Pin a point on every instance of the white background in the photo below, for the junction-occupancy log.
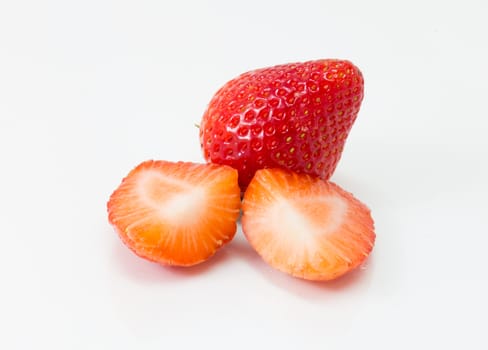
(89, 89)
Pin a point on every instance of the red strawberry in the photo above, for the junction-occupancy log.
(293, 116)
(176, 213)
(305, 226)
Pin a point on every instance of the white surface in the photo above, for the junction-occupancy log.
(89, 89)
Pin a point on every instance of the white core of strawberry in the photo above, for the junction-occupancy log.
(287, 222)
(298, 227)
(149, 180)
(184, 206)
(173, 199)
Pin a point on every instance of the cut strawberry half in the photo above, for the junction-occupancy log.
(176, 213)
(304, 226)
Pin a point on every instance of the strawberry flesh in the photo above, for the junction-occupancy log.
(176, 213)
(305, 226)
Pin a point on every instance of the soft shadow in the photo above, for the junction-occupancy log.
(302, 288)
(241, 248)
(306, 289)
(142, 270)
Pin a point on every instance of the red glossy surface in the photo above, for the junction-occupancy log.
(294, 116)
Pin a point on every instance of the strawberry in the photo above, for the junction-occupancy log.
(305, 226)
(294, 116)
(176, 213)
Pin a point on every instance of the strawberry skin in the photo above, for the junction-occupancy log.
(293, 116)
(305, 226)
(176, 213)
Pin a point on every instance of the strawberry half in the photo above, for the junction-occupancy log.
(304, 226)
(293, 116)
(176, 213)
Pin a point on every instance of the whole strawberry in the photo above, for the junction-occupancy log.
(295, 116)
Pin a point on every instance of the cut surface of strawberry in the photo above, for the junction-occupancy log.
(305, 226)
(176, 213)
